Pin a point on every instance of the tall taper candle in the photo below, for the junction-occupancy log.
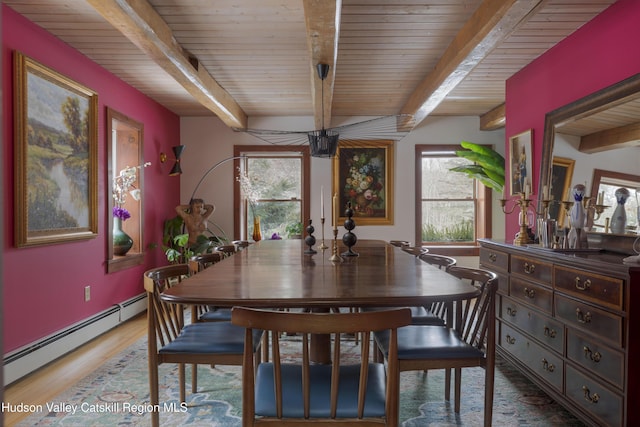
(322, 201)
(334, 220)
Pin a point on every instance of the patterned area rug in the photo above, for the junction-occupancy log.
(117, 394)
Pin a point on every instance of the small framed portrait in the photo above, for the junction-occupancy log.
(520, 165)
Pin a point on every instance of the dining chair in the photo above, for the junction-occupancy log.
(171, 341)
(241, 244)
(469, 341)
(443, 262)
(415, 250)
(298, 391)
(436, 312)
(226, 250)
(197, 263)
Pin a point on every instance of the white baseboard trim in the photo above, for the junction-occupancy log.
(31, 357)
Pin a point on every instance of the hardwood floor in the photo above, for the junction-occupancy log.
(46, 383)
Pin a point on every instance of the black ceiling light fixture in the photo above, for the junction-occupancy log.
(323, 142)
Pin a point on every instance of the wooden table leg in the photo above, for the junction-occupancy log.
(320, 344)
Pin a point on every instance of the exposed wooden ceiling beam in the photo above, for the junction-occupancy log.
(142, 25)
(490, 24)
(622, 136)
(493, 119)
(322, 18)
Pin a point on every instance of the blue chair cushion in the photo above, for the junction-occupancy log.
(419, 315)
(320, 398)
(422, 316)
(215, 314)
(427, 342)
(210, 338)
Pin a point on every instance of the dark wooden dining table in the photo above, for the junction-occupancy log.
(278, 273)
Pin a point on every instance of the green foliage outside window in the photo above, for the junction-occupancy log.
(462, 232)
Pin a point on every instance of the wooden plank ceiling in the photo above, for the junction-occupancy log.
(247, 58)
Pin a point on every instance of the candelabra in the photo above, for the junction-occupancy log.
(597, 208)
(524, 203)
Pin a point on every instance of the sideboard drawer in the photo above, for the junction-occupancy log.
(532, 269)
(596, 358)
(540, 360)
(590, 319)
(492, 259)
(592, 287)
(600, 403)
(532, 293)
(503, 283)
(543, 328)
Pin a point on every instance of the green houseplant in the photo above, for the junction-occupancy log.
(294, 230)
(487, 167)
(175, 242)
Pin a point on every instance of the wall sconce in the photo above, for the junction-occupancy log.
(177, 152)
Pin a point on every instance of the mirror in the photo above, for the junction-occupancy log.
(599, 131)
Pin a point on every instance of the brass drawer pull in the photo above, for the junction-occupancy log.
(582, 286)
(583, 317)
(595, 357)
(549, 367)
(493, 257)
(529, 293)
(529, 268)
(510, 340)
(511, 311)
(587, 395)
(551, 333)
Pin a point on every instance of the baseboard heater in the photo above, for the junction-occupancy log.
(29, 358)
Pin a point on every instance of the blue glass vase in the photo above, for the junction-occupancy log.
(122, 242)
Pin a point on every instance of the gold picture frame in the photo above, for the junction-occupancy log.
(561, 176)
(520, 164)
(56, 158)
(363, 176)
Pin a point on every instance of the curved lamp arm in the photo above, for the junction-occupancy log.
(211, 169)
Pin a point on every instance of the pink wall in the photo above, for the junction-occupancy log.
(602, 52)
(43, 286)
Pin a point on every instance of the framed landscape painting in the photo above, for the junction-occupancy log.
(55, 156)
(363, 177)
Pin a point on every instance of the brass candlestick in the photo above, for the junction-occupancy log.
(522, 237)
(322, 245)
(335, 257)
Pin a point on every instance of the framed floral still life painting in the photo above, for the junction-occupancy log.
(520, 162)
(55, 156)
(363, 177)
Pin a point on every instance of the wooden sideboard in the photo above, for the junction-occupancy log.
(566, 321)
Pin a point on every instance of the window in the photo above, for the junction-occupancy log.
(452, 210)
(273, 185)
